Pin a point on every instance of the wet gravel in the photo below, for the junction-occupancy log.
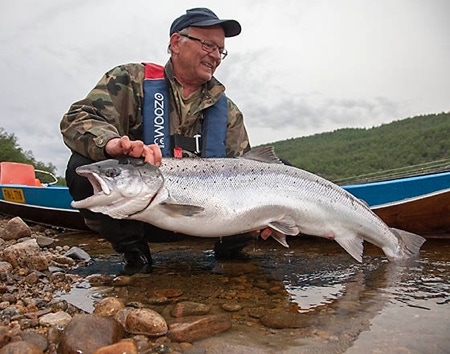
(310, 298)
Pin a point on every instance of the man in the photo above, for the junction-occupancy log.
(144, 110)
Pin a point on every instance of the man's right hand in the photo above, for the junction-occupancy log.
(123, 146)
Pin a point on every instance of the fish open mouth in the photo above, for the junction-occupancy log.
(98, 184)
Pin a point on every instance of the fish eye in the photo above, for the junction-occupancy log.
(112, 172)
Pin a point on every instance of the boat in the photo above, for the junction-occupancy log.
(26, 196)
(419, 204)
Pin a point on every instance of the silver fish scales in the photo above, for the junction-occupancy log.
(223, 197)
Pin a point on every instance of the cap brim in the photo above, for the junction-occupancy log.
(231, 27)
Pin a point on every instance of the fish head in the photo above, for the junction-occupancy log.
(120, 187)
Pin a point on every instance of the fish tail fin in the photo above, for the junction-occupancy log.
(410, 243)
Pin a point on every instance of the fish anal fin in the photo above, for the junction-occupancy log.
(280, 238)
(175, 210)
(352, 244)
(285, 226)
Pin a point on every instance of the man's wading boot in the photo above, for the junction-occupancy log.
(126, 237)
(231, 247)
(137, 258)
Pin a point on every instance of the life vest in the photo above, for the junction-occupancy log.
(211, 143)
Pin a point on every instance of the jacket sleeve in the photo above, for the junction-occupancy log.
(237, 142)
(107, 112)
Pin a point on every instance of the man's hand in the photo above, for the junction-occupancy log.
(123, 146)
(264, 234)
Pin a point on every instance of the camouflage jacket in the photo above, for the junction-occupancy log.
(114, 108)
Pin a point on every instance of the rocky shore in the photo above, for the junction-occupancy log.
(61, 292)
(35, 318)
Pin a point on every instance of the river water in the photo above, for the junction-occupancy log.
(345, 307)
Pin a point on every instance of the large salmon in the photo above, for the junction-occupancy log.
(221, 197)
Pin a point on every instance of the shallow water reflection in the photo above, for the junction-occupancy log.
(310, 297)
(373, 307)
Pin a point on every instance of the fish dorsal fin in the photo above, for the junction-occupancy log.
(285, 226)
(262, 154)
(353, 245)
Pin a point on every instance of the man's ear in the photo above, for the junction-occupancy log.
(175, 43)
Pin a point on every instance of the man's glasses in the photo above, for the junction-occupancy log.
(208, 46)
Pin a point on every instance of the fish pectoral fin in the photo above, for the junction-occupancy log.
(285, 226)
(175, 209)
(352, 244)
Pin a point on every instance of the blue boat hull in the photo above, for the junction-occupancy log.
(46, 205)
(381, 193)
(419, 204)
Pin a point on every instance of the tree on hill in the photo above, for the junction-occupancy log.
(350, 153)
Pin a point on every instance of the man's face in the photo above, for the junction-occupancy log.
(192, 63)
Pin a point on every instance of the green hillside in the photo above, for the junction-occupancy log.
(410, 145)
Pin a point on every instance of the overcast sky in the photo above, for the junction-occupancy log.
(298, 68)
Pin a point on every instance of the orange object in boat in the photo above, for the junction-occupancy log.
(17, 173)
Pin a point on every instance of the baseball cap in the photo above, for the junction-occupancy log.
(203, 17)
